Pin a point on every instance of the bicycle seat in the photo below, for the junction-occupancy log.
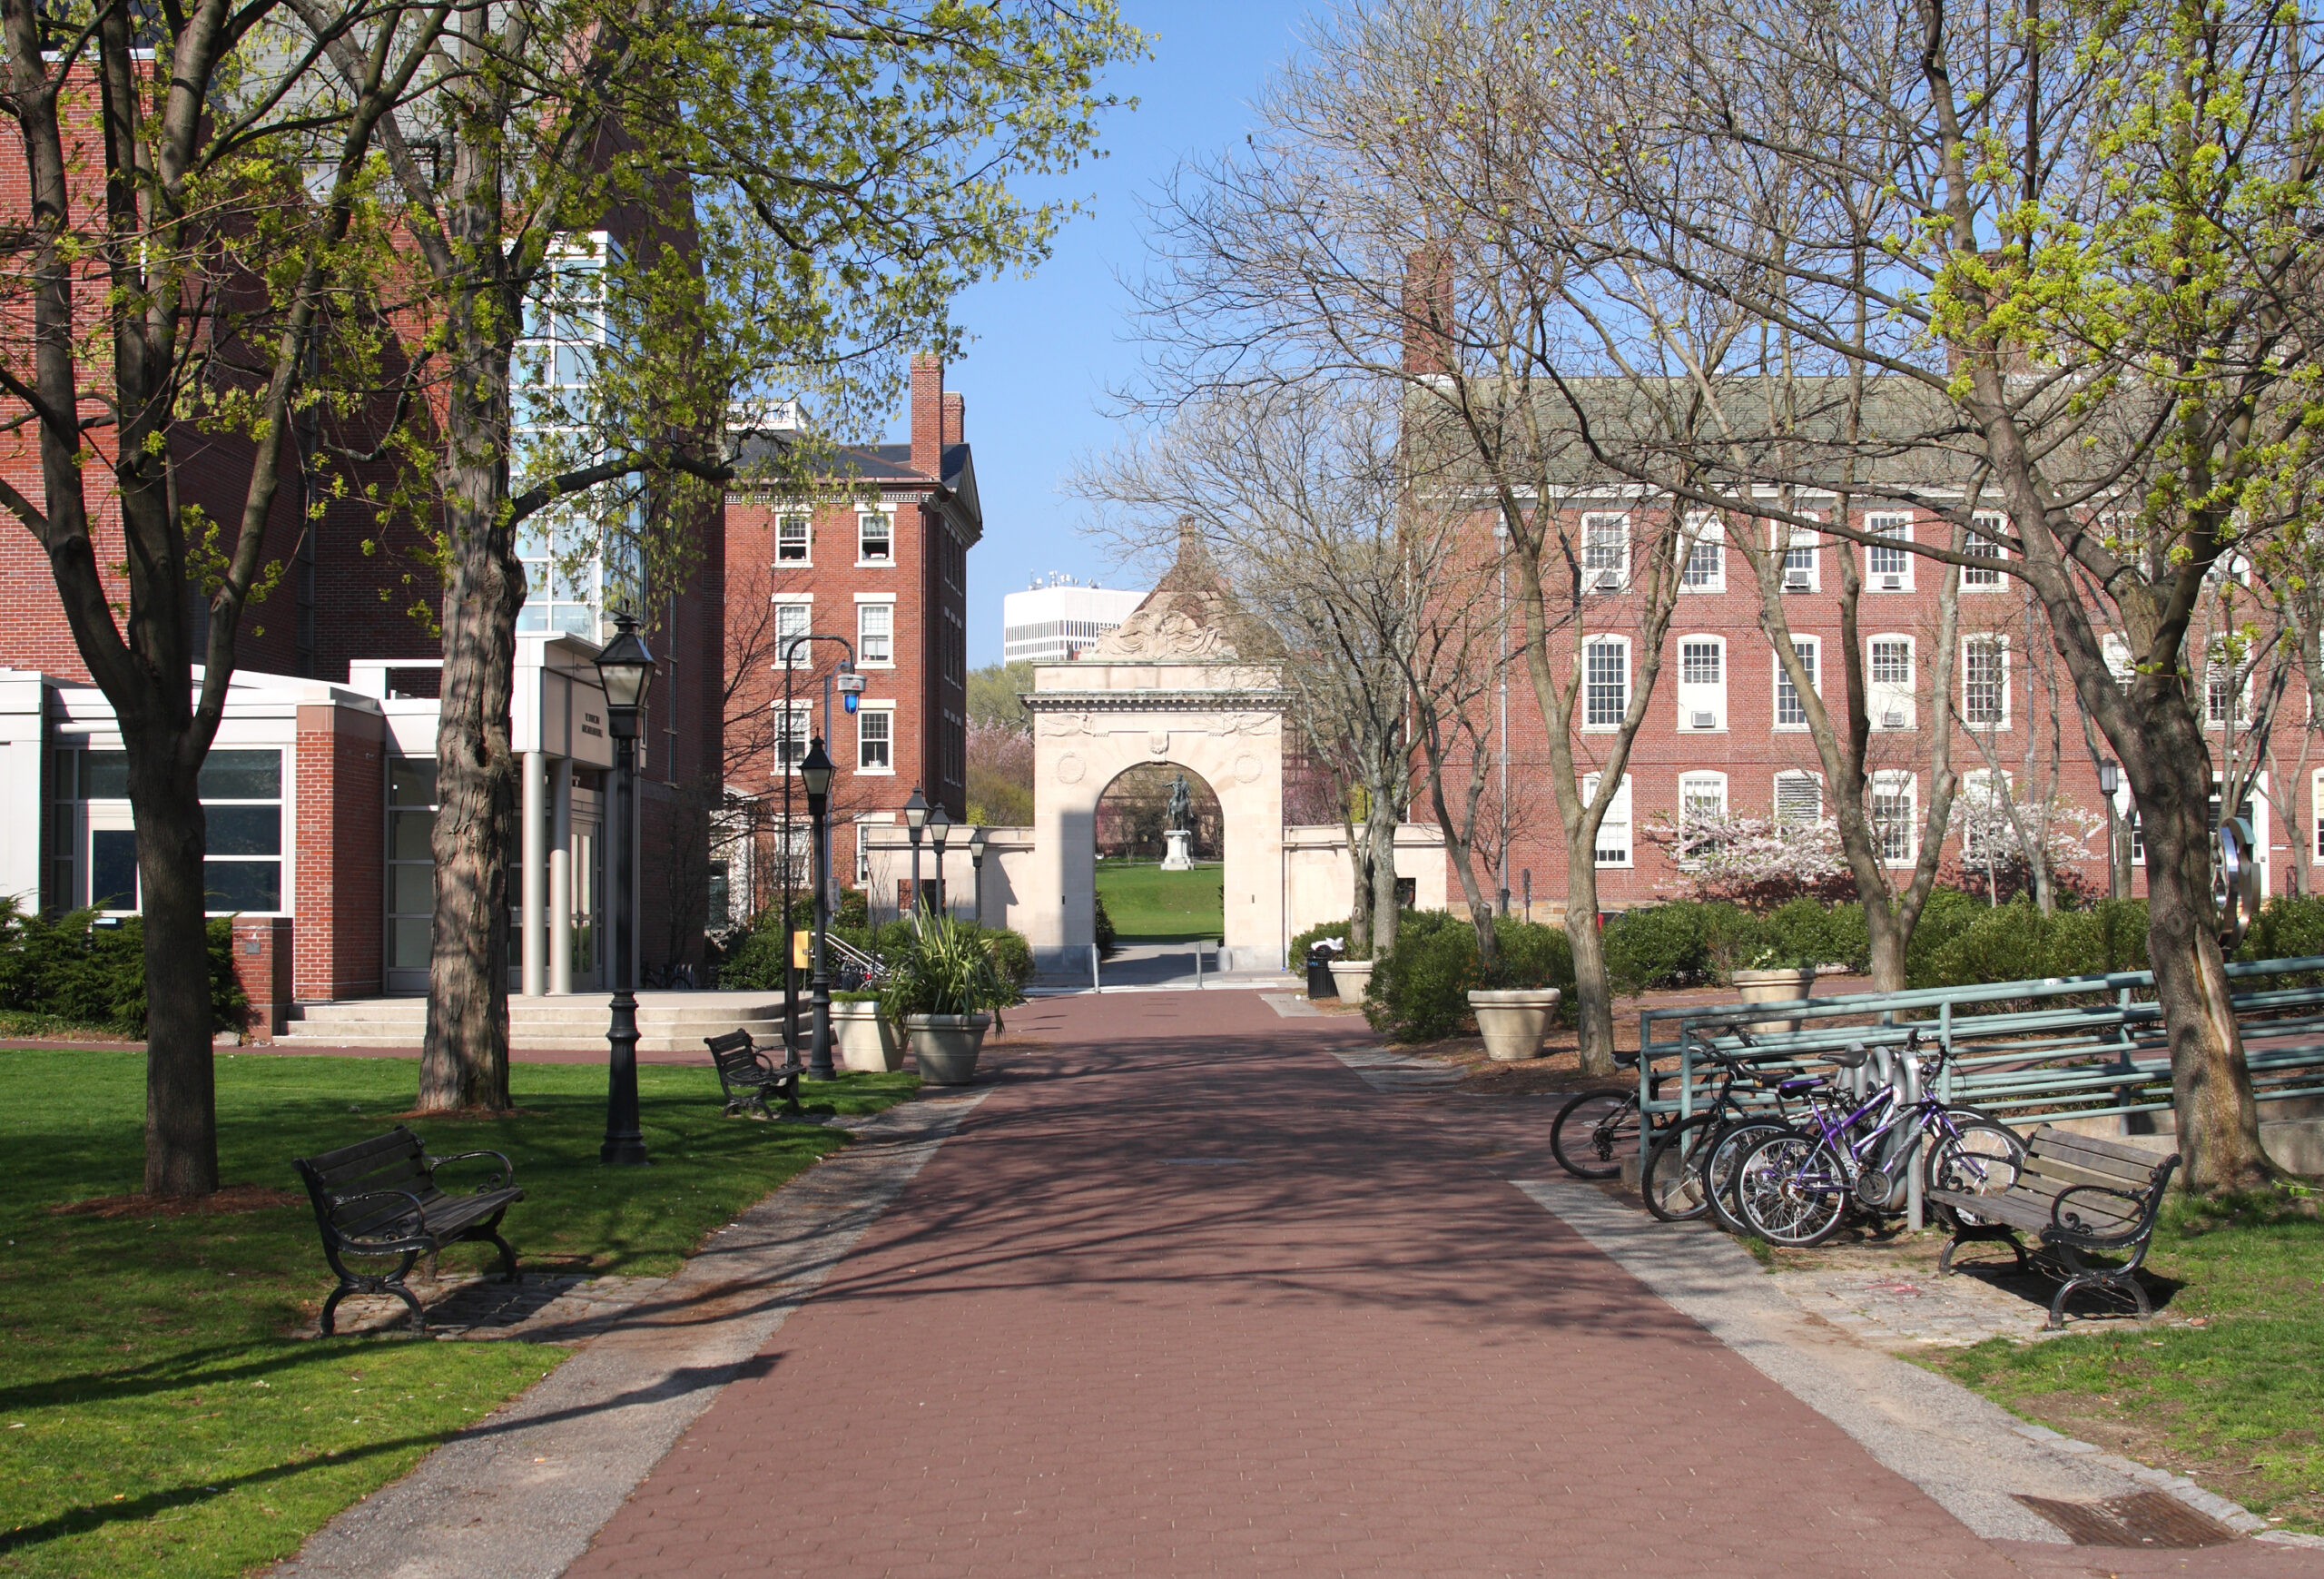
(1799, 1083)
(1852, 1056)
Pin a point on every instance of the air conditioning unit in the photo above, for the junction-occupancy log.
(1703, 720)
(1892, 584)
(1893, 719)
(1796, 581)
(1607, 581)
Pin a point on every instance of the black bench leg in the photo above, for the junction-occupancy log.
(331, 1308)
(419, 1317)
(507, 1257)
(1978, 1236)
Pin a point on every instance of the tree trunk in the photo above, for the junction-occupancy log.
(1889, 941)
(1359, 909)
(1593, 989)
(1380, 818)
(180, 1110)
(465, 1062)
(2210, 1086)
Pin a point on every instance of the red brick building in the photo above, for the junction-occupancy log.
(885, 569)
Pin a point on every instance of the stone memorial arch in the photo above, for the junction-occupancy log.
(1167, 685)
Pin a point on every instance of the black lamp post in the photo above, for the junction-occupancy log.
(940, 827)
(916, 819)
(625, 670)
(2110, 779)
(976, 868)
(815, 779)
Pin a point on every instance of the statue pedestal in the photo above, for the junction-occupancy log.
(1175, 857)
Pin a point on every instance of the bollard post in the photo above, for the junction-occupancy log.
(1197, 964)
(1095, 985)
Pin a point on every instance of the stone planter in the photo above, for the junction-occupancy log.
(1353, 978)
(1513, 1020)
(1782, 986)
(864, 1040)
(945, 1046)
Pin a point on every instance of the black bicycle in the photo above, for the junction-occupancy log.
(1691, 1170)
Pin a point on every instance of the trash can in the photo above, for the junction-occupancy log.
(1319, 973)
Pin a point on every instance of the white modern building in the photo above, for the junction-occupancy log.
(1052, 622)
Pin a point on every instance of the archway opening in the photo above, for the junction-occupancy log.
(1147, 901)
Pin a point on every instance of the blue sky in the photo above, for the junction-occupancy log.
(1046, 350)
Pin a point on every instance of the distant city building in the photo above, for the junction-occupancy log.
(1053, 623)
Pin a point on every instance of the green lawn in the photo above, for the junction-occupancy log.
(2234, 1403)
(1150, 905)
(157, 1418)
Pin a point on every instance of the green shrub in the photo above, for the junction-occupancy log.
(88, 972)
(1420, 990)
(1661, 945)
(1949, 913)
(1105, 927)
(2017, 943)
(944, 969)
(1315, 934)
(2288, 927)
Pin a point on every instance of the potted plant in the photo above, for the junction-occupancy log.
(1774, 977)
(864, 1038)
(942, 980)
(1352, 976)
(1514, 1010)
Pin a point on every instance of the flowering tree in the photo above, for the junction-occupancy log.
(1758, 862)
(2005, 841)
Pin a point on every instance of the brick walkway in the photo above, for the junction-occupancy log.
(1185, 1297)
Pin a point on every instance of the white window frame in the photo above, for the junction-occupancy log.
(1590, 645)
(1702, 696)
(1592, 573)
(1617, 821)
(2000, 645)
(865, 708)
(1805, 540)
(1896, 783)
(865, 601)
(1704, 532)
(2242, 698)
(1975, 792)
(1976, 579)
(2116, 649)
(1811, 651)
(806, 556)
(1706, 785)
(1899, 526)
(1797, 776)
(804, 658)
(1884, 697)
(881, 512)
(2316, 816)
(801, 730)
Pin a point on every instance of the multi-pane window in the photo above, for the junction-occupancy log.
(1985, 812)
(2223, 696)
(1985, 682)
(242, 804)
(1613, 842)
(1976, 577)
(792, 621)
(874, 740)
(1791, 712)
(1890, 565)
(875, 541)
(1706, 568)
(1605, 551)
(1799, 797)
(1893, 824)
(1892, 661)
(1606, 683)
(1799, 559)
(1700, 663)
(1702, 798)
(794, 731)
(875, 625)
(791, 539)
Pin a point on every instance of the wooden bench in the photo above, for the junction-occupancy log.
(380, 1197)
(747, 1075)
(2076, 1196)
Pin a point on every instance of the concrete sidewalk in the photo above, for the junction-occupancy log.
(1185, 1295)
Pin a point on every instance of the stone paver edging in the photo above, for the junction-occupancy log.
(1968, 1452)
(518, 1494)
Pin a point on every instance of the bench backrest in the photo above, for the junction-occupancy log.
(736, 1056)
(2057, 1160)
(385, 1169)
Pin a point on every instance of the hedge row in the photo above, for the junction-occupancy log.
(85, 971)
(1420, 991)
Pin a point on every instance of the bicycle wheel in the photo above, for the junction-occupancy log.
(1728, 1150)
(1792, 1191)
(1981, 1157)
(1672, 1180)
(1591, 1131)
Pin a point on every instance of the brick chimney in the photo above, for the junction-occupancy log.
(928, 414)
(956, 418)
(1428, 311)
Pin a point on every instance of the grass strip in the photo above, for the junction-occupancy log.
(157, 1416)
(2234, 1402)
(1150, 905)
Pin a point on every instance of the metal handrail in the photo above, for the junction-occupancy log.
(874, 969)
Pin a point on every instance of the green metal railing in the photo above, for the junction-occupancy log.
(2084, 1047)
